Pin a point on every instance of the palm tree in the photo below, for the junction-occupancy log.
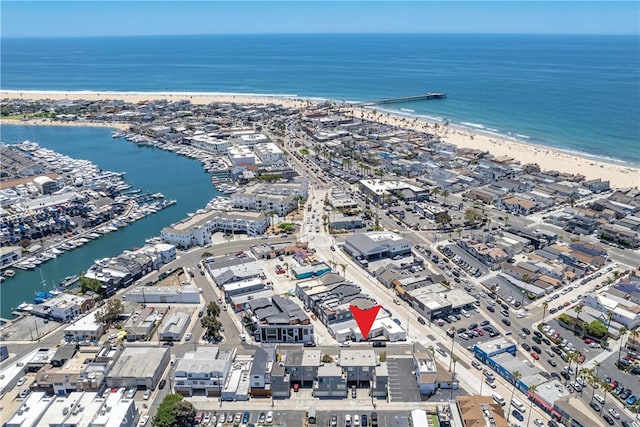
(445, 194)
(610, 315)
(578, 310)
(344, 269)
(623, 331)
(453, 335)
(606, 387)
(435, 191)
(454, 359)
(531, 393)
(515, 377)
(544, 310)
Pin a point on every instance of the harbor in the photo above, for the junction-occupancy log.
(144, 167)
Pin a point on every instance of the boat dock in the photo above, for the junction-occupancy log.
(399, 99)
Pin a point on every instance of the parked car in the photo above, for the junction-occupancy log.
(595, 406)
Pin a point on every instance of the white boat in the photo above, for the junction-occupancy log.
(9, 273)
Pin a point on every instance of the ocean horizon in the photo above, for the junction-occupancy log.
(577, 93)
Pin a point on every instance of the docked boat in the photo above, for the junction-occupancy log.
(9, 273)
(69, 281)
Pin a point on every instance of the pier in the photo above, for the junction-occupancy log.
(399, 99)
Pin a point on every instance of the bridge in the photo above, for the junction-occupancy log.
(399, 99)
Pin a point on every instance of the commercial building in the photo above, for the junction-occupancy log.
(139, 368)
(376, 245)
(269, 153)
(78, 409)
(238, 384)
(69, 371)
(66, 307)
(307, 271)
(197, 229)
(278, 198)
(9, 255)
(279, 320)
(477, 410)
(173, 328)
(187, 294)
(85, 329)
(203, 372)
(431, 376)
(436, 301)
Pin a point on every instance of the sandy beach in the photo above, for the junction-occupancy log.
(547, 158)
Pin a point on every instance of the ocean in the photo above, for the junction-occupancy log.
(148, 168)
(575, 93)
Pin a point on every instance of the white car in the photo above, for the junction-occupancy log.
(188, 336)
(356, 420)
(599, 398)
(147, 395)
(21, 381)
(538, 422)
(269, 418)
(130, 394)
(614, 413)
(143, 420)
(345, 344)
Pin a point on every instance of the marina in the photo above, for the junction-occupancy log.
(145, 168)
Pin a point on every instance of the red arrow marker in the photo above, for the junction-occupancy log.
(364, 318)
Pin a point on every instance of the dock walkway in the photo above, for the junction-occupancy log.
(399, 99)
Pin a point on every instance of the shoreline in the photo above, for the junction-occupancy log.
(548, 158)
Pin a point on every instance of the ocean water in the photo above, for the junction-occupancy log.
(577, 93)
(147, 168)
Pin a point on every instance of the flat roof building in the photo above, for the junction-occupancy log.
(139, 367)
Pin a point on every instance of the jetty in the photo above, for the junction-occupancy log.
(400, 99)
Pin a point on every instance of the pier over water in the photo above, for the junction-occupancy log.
(400, 99)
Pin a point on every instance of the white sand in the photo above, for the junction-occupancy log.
(547, 158)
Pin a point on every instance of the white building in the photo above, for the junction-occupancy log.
(251, 139)
(269, 153)
(164, 294)
(197, 229)
(84, 329)
(10, 254)
(210, 145)
(627, 315)
(241, 155)
(78, 409)
(204, 370)
(65, 307)
(173, 328)
(279, 198)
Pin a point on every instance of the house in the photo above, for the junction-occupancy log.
(279, 319)
(359, 365)
(202, 372)
(332, 382)
(260, 375)
(302, 366)
(84, 329)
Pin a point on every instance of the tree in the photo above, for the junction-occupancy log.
(165, 416)
(623, 331)
(597, 329)
(443, 218)
(610, 315)
(110, 312)
(445, 194)
(454, 359)
(452, 330)
(326, 358)
(435, 191)
(213, 309)
(531, 393)
(544, 310)
(92, 285)
(472, 215)
(515, 377)
(212, 326)
(185, 414)
(578, 309)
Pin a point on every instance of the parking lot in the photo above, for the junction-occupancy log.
(387, 418)
(402, 383)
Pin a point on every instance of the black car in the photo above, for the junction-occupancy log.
(506, 321)
(595, 406)
(536, 349)
(421, 320)
(472, 326)
(557, 350)
(461, 330)
(200, 313)
(537, 340)
(537, 334)
(379, 343)
(161, 384)
(608, 419)
(526, 346)
(565, 375)
(484, 323)
(491, 309)
(505, 306)
(546, 341)
(552, 362)
(526, 331)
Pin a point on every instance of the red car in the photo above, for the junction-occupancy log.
(479, 331)
(535, 355)
(296, 387)
(588, 340)
(614, 384)
(581, 358)
(280, 272)
(566, 303)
